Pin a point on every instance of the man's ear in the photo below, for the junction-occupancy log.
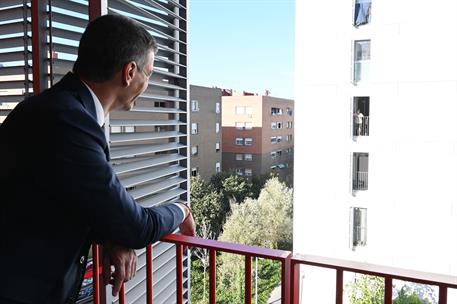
(128, 71)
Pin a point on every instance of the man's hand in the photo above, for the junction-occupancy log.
(124, 261)
(187, 227)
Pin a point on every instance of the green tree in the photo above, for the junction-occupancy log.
(265, 222)
(407, 296)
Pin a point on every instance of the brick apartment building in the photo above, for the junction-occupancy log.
(257, 135)
(205, 131)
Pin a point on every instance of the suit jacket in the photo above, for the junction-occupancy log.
(59, 193)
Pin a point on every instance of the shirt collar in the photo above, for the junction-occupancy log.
(98, 107)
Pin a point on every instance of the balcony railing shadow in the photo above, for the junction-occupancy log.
(290, 265)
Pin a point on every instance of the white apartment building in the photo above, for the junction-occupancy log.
(376, 176)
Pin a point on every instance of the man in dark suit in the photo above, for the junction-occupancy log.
(58, 190)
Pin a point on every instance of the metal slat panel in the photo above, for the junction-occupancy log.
(131, 8)
(166, 289)
(162, 97)
(150, 176)
(156, 110)
(12, 13)
(163, 50)
(166, 85)
(11, 98)
(125, 137)
(66, 34)
(12, 56)
(8, 85)
(62, 67)
(163, 197)
(70, 20)
(157, 71)
(154, 188)
(71, 6)
(147, 163)
(144, 122)
(168, 62)
(13, 42)
(141, 150)
(64, 48)
(12, 28)
(7, 3)
(157, 5)
(10, 71)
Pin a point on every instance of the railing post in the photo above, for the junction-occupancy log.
(122, 294)
(39, 40)
(179, 251)
(388, 290)
(442, 297)
(339, 286)
(149, 272)
(247, 279)
(295, 282)
(95, 273)
(285, 284)
(212, 276)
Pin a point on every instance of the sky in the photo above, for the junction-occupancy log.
(245, 45)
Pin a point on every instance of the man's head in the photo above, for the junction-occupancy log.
(116, 50)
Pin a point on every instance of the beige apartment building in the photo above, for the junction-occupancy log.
(205, 131)
(257, 135)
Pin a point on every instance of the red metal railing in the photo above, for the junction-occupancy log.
(290, 271)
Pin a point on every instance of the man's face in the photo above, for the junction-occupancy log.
(138, 84)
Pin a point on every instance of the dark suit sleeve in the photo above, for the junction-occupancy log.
(88, 180)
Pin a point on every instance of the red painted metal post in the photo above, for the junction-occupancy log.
(247, 279)
(149, 274)
(96, 8)
(38, 46)
(179, 282)
(388, 290)
(95, 273)
(294, 282)
(122, 294)
(442, 297)
(212, 276)
(339, 286)
(285, 282)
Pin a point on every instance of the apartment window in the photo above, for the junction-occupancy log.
(359, 226)
(248, 172)
(218, 107)
(218, 147)
(218, 127)
(248, 125)
(194, 105)
(249, 110)
(248, 157)
(239, 125)
(239, 156)
(278, 139)
(279, 125)
(362, 12)
(194, 172)
(194, 128)
(115, 129)
(239, 171)
(279, 153)
(248, 141)
(239, 141)
(361, 60)
(129, 129)
(273, 140)
(273, 125)
(289, 125)
(194, 150)
(273, 155)
(240, 110)
(218, 167)
(361, 115)
(360, 171)
(289, 111)
(289, 137)
(276, 111)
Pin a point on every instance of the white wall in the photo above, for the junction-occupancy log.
(412, 196)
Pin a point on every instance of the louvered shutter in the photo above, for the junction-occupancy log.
(149, 143)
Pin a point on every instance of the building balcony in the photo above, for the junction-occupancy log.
(290, 266)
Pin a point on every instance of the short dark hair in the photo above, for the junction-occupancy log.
(108, 43)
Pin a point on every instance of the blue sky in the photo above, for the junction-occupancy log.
(243, 45)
